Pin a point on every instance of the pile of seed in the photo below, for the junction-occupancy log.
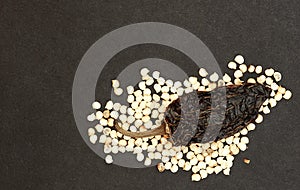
(146, 111)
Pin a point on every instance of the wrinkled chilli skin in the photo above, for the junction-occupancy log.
(242, 105)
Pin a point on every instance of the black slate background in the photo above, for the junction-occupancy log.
(42, 43)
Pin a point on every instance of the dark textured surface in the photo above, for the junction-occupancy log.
(214, 123)
(42, 44)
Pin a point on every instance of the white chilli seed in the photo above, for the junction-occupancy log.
(251, 80)
(102, 139)
(226, 171)
(161, 81)
(192, 80)
(156, 74)
(269, 72)
(122, 149)
(204, 82)
(238, 81)
(251, 68)
(269, 80)
(108, 159)
(226, 78)
(106, 114)
(272, 102)
(96, 105)
(99, 115)
(238, 74)
(142, 85)
(194, 161)
(242, 146)
(281, 89)
(144, 71)
(245, 140)
(147, 162)
(287, 95)
(93, 139)
(243, 68)
(149, 81)
(110, 122)
(174, 168)
(203, 72)
(91, 131)
(251, 126)
(274, 86)
(140, 157)
(115, 149)
(210, 170)
(186, 83)
(258, 69)
(133, 128)
(217, 169)
(157, 155)
(147, 91)
(130, 89)
(109, 105)
(239, 59)
(118, 91)
(277, 76)
(103, 122)
(203, 173)
(266, 110)
(115, 83)
(232, 65)
(99, 128)
(187, 166)
(196, 177)
(181, 163)
(214, 77)
(169, 83)
(278, 96)
(116, 106)
(261, 79)
(91, 117)
(244, 131)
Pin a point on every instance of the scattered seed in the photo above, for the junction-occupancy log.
(239, 59)
(238, 74)
(196, 177)
(168, 165)
(144, 71)
(204, 82)
(226, 171)
(232, 65)
(258, 69)
(246, 161)
(99, 115)
(226, 78)
(269, 72)
(214, 77)
(243, 68)
(91, 117)
(278, 96)
(203, 72)
(115, 83)
(251, 68)
(261, 79)
(269, 80)
(277, 76)
(287, 95)
(93, 139)
(96, 105)
(108, 159)
(118, 91)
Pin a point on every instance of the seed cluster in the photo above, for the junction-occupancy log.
(147, 104)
